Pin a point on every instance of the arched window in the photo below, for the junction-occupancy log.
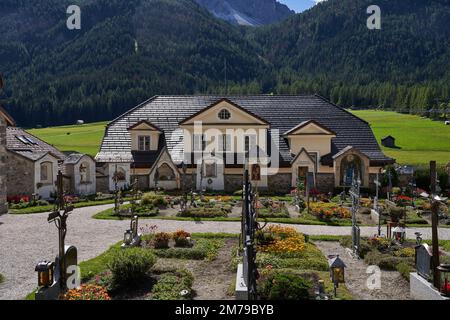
(46, 172)
(84, 172)
(224, 114)
(351, 167)
(166, 173)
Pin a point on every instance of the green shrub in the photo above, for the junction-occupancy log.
(203, 249)
(203, 212)
(2, 278)
(285, 286)
(170, 285)
(396, 213)
(404, 269)
(385, 261)
(312, 263)
(154, 199)
(129, 266)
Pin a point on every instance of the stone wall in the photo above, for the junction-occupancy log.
(3, 192)
(279, 183)
(325, 182)
(20, 175)
(233, 182)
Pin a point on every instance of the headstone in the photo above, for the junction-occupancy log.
(423, 259)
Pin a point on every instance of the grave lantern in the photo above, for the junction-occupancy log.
(337, 272)
(45, 273)
(399, 233)
(128, 237)
(444, 271)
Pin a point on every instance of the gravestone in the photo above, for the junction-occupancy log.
(423, 261)
(136, 237)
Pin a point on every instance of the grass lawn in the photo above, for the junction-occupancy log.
(40, 209)
(419, 140)
(80, 138)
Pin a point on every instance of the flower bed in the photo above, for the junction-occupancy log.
(290, 267)
(272, 209)
(329, 212)
(87, 292)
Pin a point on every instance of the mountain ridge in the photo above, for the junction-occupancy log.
(248, 12)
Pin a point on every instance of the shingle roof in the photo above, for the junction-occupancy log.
(29, 146)
(282, 112)
(74, 158)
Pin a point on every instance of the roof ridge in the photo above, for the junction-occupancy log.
(341, 108)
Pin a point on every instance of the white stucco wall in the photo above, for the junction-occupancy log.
(112, 168)
(217, 182)
(89, 187)
(47, 188)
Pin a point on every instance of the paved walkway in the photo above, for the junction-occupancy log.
(27, 239)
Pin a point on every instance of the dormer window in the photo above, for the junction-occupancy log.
(224, 114)
(144, 143)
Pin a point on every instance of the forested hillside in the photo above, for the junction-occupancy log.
(130, 50)
(125, 52)
(329, 49)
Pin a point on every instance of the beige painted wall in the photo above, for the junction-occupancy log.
(312, 143)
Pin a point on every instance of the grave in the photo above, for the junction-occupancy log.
(132, 238)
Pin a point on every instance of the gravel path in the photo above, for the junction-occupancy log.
(392, 285)
(27, 239)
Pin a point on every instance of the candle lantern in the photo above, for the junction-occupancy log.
(128, 237)
(399, 234)
(444, 271)
(45, 270)
(337, 272)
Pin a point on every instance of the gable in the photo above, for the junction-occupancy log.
(144, 125)
(237, 115)
(310, 128)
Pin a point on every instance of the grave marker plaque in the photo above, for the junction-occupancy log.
(423, 259)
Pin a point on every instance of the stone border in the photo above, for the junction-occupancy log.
(421, 289)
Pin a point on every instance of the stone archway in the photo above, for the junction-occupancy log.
(348, 162)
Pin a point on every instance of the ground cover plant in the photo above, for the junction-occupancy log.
(290, 266)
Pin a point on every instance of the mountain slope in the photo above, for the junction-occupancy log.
(330, 48)
(97, 73)
(248, 12)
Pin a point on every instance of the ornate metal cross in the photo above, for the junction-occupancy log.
(59, 216)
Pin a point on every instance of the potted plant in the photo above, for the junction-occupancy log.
(161, 240)
(182, 239)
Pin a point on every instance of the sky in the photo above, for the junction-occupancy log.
(299, 5)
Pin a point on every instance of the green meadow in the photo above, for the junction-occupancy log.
(418, 140)
(78, 138)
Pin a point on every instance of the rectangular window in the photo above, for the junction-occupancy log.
(144, 143)
(251, 146)
(226, 142)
